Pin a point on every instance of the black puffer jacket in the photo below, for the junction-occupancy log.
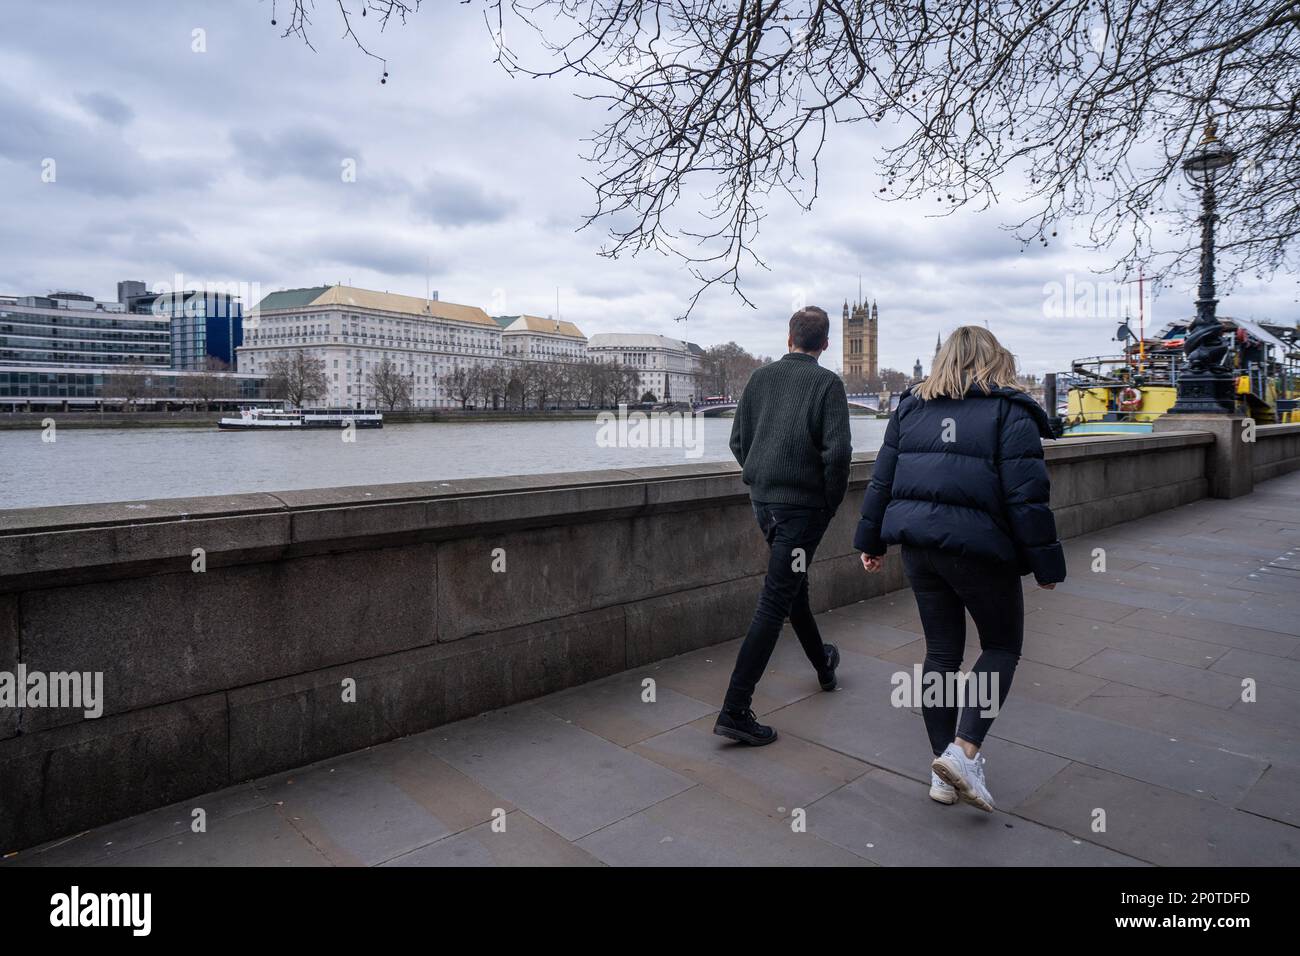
(967, 476)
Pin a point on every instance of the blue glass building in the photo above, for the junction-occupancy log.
(206, 327)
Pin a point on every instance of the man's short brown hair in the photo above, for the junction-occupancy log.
(810, 328)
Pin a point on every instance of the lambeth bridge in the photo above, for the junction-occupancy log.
(711, 407)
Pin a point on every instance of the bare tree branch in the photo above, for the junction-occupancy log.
(1082, 108)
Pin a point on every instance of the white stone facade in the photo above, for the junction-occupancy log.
(667, 368)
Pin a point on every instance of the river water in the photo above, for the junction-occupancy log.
(84, 465)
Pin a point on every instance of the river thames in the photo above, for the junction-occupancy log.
(85, 465)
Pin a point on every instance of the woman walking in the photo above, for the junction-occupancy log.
(961, 484)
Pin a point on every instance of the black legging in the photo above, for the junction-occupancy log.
(947, 585)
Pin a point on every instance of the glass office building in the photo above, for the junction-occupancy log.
(66, 328)
(205, 328)
(66, 349)
(37, 388)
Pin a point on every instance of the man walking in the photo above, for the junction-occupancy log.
(791, 437)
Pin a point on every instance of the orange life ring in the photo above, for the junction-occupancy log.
(1130, 399)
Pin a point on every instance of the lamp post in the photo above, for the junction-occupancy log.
(1206, 387)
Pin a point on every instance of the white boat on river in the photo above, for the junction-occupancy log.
(269, 419)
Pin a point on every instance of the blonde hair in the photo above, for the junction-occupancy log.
(970, 358)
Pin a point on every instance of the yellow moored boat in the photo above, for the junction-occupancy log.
(1125, 394)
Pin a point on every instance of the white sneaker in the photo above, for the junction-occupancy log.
(966, 774)
(940, 792)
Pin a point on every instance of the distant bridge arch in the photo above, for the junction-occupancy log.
(868, 400)
(716, 407)
(712, 408)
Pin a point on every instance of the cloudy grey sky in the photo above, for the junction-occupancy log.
(225, 165)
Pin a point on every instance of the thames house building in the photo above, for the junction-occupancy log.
(530, 337)
(353, 330)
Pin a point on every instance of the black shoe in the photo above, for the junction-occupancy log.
(745, 728)
(827, 677)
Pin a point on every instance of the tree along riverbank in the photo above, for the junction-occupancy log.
(148, 419)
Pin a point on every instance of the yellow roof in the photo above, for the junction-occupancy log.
(535, 323)
(345, 295)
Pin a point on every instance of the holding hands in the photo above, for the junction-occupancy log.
(873, 564)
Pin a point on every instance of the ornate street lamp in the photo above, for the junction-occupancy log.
(1206, 386)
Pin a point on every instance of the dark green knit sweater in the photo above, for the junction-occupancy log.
(791, 434)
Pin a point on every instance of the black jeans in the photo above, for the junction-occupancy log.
(946, 586)
(793, 533)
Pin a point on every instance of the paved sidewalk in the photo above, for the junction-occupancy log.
(1128, 703)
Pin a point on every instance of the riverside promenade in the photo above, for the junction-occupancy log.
(1130, 738)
